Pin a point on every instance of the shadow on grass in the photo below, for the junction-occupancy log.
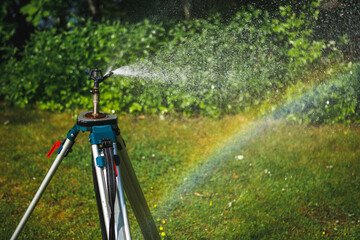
(19, 116)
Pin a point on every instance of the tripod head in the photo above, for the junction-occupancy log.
(98, 77)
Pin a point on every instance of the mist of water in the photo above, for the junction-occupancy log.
(212, 61)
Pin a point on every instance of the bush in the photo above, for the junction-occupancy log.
(217, 68)
(335, 101)
(199, 66)
(50, 73)
(220, 69)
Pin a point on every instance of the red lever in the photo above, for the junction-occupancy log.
(115, 169)
(56, 145)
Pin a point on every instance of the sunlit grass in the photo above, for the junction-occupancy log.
(287, 181)
(160, 149)
(291, 182)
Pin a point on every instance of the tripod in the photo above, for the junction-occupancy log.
(112, 172)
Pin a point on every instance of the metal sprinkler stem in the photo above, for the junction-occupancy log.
(96, 101)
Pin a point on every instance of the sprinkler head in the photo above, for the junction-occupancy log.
(109, 74)
(97, 76)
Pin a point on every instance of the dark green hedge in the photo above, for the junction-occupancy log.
(203, 66)
(50, 73)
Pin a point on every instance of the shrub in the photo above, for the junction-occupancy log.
(335, 101)
(50, 73)
(221, 68)
(200, 66)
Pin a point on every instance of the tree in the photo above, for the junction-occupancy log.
(14, 29)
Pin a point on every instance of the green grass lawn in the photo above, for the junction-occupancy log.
(203, 179)
(282, 182)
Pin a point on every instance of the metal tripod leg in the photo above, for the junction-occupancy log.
(102, 188)
(135, 195)
(42, 188)
(120, 201)
(122, 229)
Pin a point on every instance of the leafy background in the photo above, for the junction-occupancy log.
(231, 64)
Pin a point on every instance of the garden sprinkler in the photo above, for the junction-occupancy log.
(112, 172)
(97, 76)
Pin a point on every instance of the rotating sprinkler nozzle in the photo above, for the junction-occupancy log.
(109, 74)
(98, 77)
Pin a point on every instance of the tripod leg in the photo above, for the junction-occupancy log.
(98, 201)
(122, 216)
(122, 229)
(135, 195)
(102, 188)
(48, 177)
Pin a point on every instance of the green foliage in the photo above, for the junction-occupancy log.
(213, 68)
(336, 101)
(206, 67)
(50, 74)
(295, 33)
(53, 13)
(7, 30)
(220, 68)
